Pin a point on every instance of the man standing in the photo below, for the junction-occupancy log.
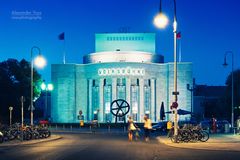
(147, 127)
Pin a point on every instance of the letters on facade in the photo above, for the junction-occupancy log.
(121, 71)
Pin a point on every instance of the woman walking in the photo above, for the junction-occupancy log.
(131, 128)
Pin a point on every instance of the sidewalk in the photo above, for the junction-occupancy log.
(225, 142)
(17, 142)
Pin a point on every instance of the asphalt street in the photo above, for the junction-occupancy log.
(105, 147)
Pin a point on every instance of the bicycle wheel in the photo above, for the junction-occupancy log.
(204, 136)
(173, 139)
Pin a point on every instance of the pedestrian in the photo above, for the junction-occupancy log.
(170, 128)
(131, 128)
(214, 125)
(147, 127)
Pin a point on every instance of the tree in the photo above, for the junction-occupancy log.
(15, 81)
(236, 92)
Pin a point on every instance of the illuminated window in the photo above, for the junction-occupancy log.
(147, 95)
(121, 88)
(95, 99)
(107, 101)
(134, 101)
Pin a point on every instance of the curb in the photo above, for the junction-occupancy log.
(30, 142)
(216, 146)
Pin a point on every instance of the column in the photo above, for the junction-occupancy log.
(141, 100)
(128, 93)
(114, 95)
(101, 113)
(153, 102)
(90, 112)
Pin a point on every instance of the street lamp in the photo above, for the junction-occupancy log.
(225, 64)
(39, 62)
(46, 88)
(161, 22)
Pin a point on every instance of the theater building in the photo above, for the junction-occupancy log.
(124, 66)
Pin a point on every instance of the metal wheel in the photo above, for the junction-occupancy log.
(120, 107)
(204, 136)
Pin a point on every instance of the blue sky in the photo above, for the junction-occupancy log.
(208, 27)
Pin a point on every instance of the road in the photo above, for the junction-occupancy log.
(106, 147)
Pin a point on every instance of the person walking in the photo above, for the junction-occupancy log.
(131, 128)
(147, 127)
(170, 128)
(214, 125)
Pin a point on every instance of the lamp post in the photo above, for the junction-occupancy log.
(225, 64)
(40, 62)
(10, 115)
(46, 88)
(161, 21)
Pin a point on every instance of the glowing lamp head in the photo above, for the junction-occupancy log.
(50, 87)
(43, 86)
(40, 61)
(161, 21)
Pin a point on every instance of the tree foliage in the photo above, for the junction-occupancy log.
(236, 93)
(15, 81)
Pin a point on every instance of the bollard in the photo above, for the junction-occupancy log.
(71, 127)
(56, 126)
(108, 128)
(63, 127)
(124, 129)
(90, 128)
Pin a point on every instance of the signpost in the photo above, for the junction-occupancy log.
(81, 118)
(22, 101)
(10, 116)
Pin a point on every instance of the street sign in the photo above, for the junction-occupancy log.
(174, 105)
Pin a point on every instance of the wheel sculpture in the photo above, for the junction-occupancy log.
(119, 108)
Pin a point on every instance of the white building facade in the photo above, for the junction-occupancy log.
(131, 71)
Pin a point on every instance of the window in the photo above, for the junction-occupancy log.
(134, 101)
(95, 100)
(107, 101)
(147, 96)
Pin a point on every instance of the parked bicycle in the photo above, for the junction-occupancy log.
(189, 134)
(16, 131)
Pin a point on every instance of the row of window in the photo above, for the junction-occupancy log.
(122, 82)
(127, 38)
